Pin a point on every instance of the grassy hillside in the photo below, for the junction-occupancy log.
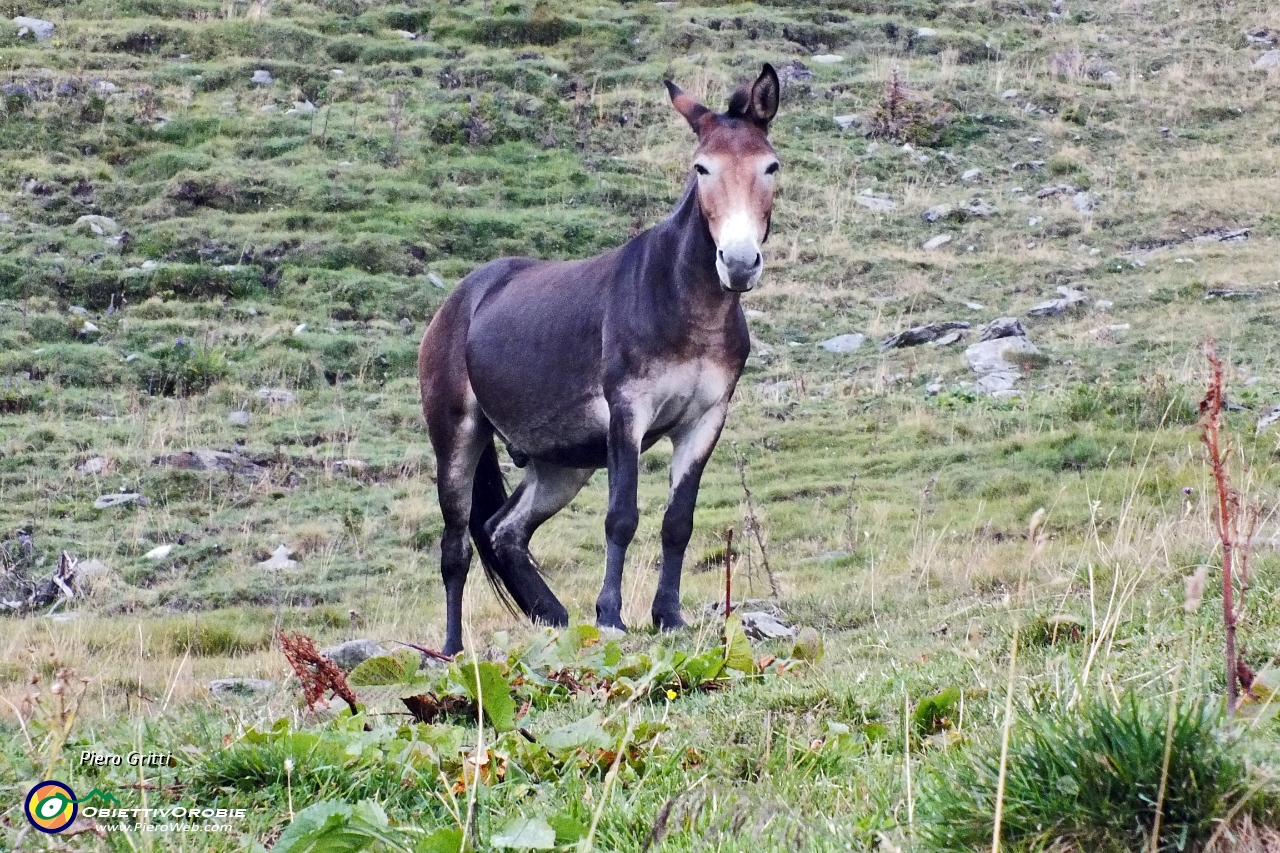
(192, 260)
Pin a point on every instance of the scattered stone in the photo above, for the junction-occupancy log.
(405, 34)
(949, 338)
(918, 335)
(88, 328)
(119, 499)
(878, 202)
(212, 460)
(666, 4)
(159, 552)
(270, 108)
(1070, 298)
(301, 108)
(1084, 202)
(764, 626)
(845, 122)
(350, 466)
(106, 87)
(935, 242)
(93, 465)
(978, 207)
(92, 575)
(933, 389)
(276, 395)
(938, 211)
(279, 559)
(989, 356)
(754, 314)
(1225, 293)
(79, 311)
(1270, 59)
(42, 30)
(828, 58)
(775, 391)
(1268, 420)
(999, 382)
(974, 306)
(100, 225)
(435, 280)
(262, 77)
(843, 343)
(337, 72)
(1007, 94)
(352, 653)
(1237, 235)
(971, 175)
(1050, 190)
(926, 32)
(240, 418)
(792, 74)
(299, 329)
(1003, 327)
(1103, 304)
(4, 217)
(245, 687)
(1260, 36)
(1034, 221)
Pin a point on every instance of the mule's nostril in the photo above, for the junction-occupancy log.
(758, 261)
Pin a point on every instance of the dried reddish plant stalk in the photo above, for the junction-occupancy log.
(1236, 524)
(318, 674)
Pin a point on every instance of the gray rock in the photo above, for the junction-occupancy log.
(240, 418)
(971, 175)
(1103, 304)
(978, 207)
(246, 687)
(1003, 327)
(301, 108)
(666, 4)
(926, 32)
(1050, 190)
(4, 217)
(1270, 59)
(106, 87)
(276, 395)
(775, 391)
(997, 382)
(1261, 36)
(935, 242)
(1034, 221)
(938, 211)
(1007, 94)
(42, 30)
(949, 338)
(843, 343)
(119, 499)
(927, 333)
(933, 389)
(1224, 293)
(435, 280)
(408, 36)
(279, 559)
(827, 58)
(989, 356)
(352, 653)
(878, 203)
(94, 465)
(845, 122)
(764, 626)
(212, 460)
(1237, 235)
(1084, 202)
(79, 311)
(1070, 298)
(1267, 421)
(100, 225)
(262, 77)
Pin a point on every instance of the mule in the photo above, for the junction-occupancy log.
(580, 365)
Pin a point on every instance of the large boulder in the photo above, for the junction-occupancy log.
(352, 653)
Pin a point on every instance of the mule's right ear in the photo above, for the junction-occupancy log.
(692, 111)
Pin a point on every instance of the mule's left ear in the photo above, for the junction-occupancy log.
(764, 97)
(692, 111)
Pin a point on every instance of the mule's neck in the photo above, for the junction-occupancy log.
(684, 247)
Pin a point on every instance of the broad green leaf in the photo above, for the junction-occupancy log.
(318, 829)
(737, 648)
(612, 653)
(932, 712)
(586, 733)
(496, 700)
(395, 668)
(526, 833)
(569, 830)
(584, 635)
(441, 841)
(808, 646)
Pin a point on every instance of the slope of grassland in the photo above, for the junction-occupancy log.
(271, 252)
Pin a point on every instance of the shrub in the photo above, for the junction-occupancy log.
(1092, 779)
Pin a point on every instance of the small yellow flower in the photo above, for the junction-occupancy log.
(671, 695)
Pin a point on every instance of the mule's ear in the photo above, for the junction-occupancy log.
(692, 111)
(764, 97)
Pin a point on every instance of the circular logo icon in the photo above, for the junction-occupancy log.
(51, 807)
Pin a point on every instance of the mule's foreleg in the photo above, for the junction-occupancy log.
(458, 449)
(692, 448)
(623, 517)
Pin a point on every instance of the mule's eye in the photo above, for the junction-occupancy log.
(773, 168)
(700, 169)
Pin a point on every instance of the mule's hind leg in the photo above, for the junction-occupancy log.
(458, 446)
(692, 448)
(545, 490)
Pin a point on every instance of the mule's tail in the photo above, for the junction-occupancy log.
(488, 494)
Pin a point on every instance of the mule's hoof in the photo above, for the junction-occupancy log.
(551, 614)
(669, 621)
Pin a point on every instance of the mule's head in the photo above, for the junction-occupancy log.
(735, 167)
